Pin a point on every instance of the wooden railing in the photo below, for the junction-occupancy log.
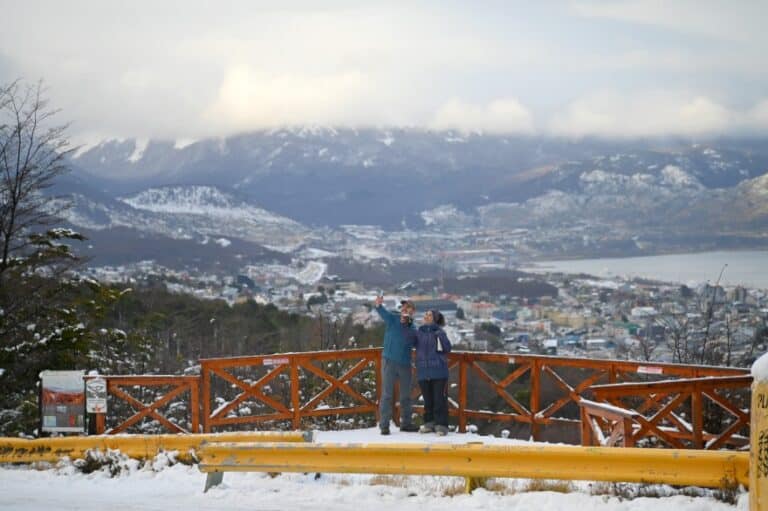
(673, 412)
(291, 387)
(554, 386)
(537, 392)
(163, 391)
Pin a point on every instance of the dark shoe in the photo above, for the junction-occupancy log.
(409, 428)
(441, 430)
(385, 431)
(429, 427)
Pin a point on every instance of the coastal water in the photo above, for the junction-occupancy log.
(747, 268)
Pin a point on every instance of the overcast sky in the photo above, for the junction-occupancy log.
(188, 69)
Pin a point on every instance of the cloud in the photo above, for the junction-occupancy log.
(612, 114)
(729, 21)
(504, 115)
(158, 72)
(757, 118)
(249, 99)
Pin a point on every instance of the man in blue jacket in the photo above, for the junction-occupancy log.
(396, 364)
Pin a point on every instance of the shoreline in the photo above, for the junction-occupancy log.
(545, 259)
(746, 267)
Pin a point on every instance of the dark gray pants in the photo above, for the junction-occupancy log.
(435, 393)
(392, 372)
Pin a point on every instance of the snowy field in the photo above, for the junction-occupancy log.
(157, 486)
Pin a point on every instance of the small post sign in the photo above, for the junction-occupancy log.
(96, 395)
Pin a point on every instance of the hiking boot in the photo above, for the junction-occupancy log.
(427, 428)
(409, 428)
(441, 430)
(385, 431)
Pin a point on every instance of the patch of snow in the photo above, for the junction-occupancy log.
(224, 242)
(604, 284)
(83, 148)
(597, 176)
(200, 200)
(674, 175)
(181, 143)
(444, 214)
(760, 369)
(367, 252)
(311, 273)
(388, 140)
(317, 253)
(139, 146)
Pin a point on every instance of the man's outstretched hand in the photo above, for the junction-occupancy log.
(378, 301)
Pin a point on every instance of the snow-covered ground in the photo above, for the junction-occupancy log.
(161, 487)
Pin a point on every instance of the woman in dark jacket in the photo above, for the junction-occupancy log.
(432, 348)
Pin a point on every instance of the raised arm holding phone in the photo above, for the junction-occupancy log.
(396, 364)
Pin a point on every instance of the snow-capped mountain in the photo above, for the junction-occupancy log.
(265, 187)
(325, 176)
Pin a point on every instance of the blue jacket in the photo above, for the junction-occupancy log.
(430, 363)
(396, 348)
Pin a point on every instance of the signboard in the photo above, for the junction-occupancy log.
(62, 403)
(96, 395)
(650, 370)
(758, 451)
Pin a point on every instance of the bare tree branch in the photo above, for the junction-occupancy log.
(32, 154)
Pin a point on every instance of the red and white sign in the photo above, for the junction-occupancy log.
(275, 361)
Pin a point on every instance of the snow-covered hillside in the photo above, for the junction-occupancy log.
(204, 201)
(190, 213)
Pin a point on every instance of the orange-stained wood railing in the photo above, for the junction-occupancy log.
(292, 404)
(551, 372)
(537, 391)
(631, 412)
(496, 373)
(170, 388)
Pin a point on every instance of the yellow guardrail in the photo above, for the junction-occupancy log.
(17, 450)
(670, 466)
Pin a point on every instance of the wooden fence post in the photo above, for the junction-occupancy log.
(535, 398)
(101, 419)
(462, 395)
(206, 384)
(194, 404)
(295, 389)
(697, 415)
(379, 383)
